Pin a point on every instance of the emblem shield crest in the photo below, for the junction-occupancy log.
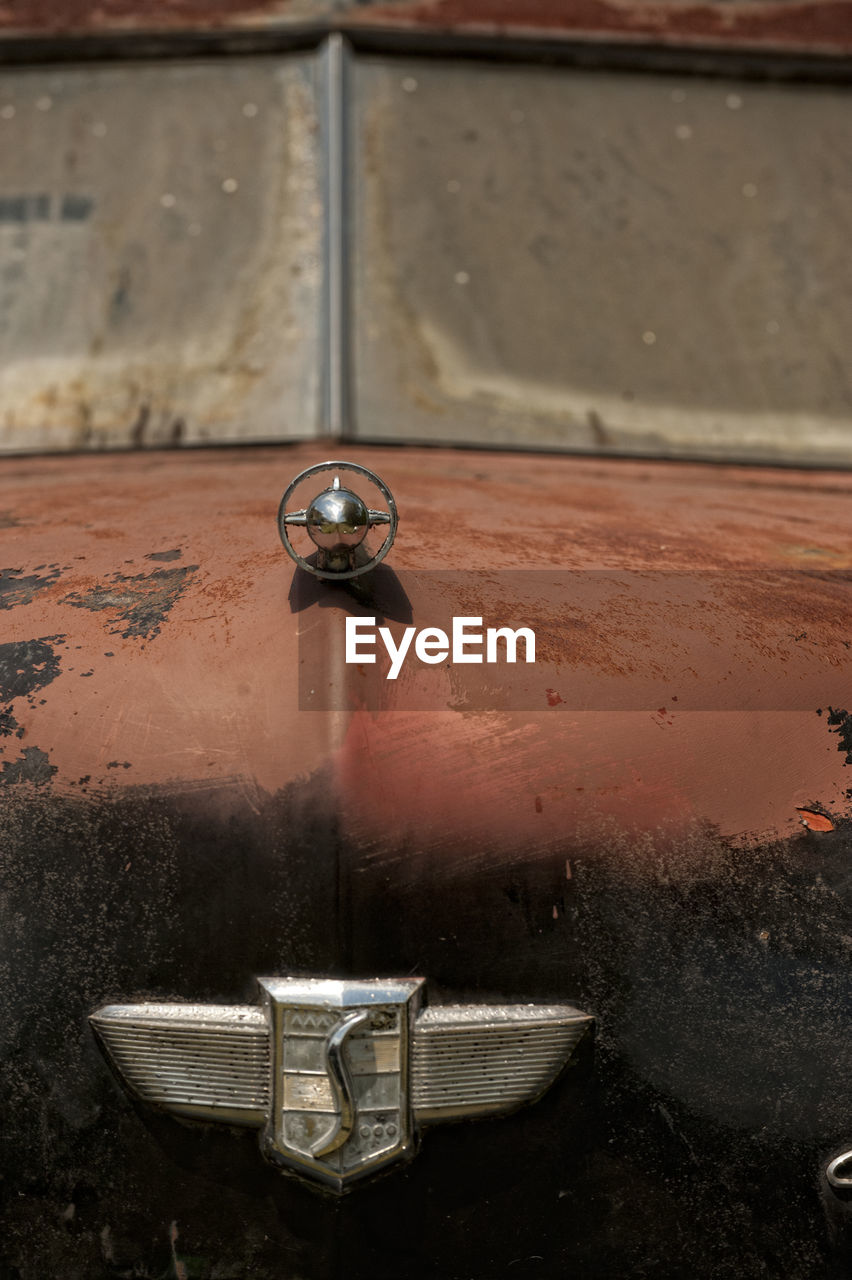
(340, 1065)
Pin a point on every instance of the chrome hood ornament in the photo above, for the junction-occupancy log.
(339, 1076)
(337, 521)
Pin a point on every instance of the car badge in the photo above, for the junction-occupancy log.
(337, 521)
(339, 1076)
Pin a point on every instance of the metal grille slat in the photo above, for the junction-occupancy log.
(189, 1060)
(488, 1060)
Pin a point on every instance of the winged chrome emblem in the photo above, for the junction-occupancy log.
(339, 1076)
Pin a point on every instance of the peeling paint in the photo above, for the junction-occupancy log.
(27, 665)
(33, 765)
(16, 589)
(8, 723)
(174, 554)
(840, 722)
(139, 603)
(814, 820)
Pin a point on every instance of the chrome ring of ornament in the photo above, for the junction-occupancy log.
(839, 1172)
(337, 521)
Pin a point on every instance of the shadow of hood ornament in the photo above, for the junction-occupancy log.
(339, 1076)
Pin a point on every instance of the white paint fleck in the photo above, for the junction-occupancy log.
(250, 110)
(99, 129)
(409, 84)
(167, 200)
(462, 277)
(229, 186)
(649, 337)
(44, 103)
(733, 102)
(749, 190)
(7, 112)
(683, 131)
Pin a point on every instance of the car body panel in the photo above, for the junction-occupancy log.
(558, 258)
(185, 827)
(181, 303)
(811, 25)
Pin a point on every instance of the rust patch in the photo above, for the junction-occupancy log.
(818, 25)
(48, 18)
(821, 24)
(27, 665)
(139, 603)
(814, 820)
(17, 588)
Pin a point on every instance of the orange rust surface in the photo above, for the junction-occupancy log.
(207, 699)
(815, 821)
(160, 585)
(784, 24)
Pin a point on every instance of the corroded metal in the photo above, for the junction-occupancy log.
(325, 1066)
(813, 25)
(166, 586)
(770, 24)
(174, 824)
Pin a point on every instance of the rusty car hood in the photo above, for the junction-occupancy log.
(152, 638)
(186, 819)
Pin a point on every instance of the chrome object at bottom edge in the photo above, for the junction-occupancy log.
(338, 1075)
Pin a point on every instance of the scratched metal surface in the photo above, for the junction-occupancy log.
(160, 254)
(601, 262)
(174, 825)
(157, 580)
(782, 24)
